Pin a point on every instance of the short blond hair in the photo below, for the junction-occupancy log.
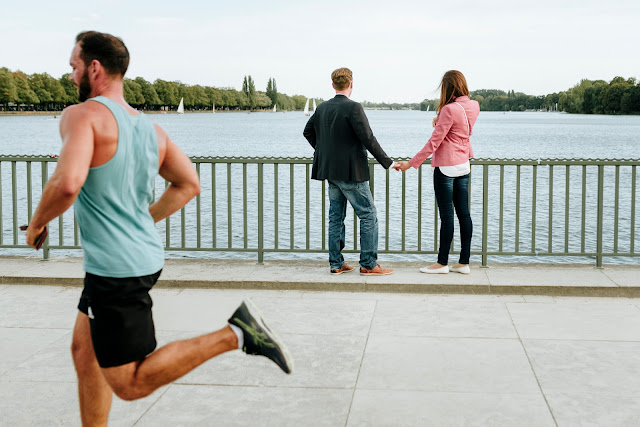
(341, 78)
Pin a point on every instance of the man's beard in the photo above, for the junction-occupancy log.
(84, 87)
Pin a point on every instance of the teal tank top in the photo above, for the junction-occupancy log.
(117, 231)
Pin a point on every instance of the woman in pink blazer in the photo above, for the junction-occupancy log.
(450, 150)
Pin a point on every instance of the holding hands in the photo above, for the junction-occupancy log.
(401, 166)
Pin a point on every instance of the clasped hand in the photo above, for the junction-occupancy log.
(401, 166)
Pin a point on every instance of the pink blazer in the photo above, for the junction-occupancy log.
(449, 142)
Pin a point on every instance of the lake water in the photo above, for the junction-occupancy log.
(401, 134)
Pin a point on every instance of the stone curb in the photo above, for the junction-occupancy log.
(413, 288)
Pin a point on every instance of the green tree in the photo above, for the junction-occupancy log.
(200, 98)
(8, 89)
(70, 91)
(272, 91)
(249, 91)
(38, 85)
(167, 92)
(214, 96)
(151, 98)
(262, 100)
(133, 93)
(26, 95)
(631, 100)
(612, 99)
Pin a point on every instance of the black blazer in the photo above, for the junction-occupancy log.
(340, 134)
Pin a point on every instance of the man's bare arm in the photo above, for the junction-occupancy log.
(71, 172)
(184, 185)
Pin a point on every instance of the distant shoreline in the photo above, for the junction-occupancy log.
(57, 113)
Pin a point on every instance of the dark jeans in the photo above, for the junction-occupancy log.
(359, 196)
(453, 191)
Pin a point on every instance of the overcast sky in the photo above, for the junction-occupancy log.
(397, 49)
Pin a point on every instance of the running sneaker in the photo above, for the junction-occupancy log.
(258, 338)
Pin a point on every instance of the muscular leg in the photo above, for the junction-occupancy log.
(94, 392)
(139, 379)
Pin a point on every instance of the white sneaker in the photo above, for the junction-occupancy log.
(441, 270)
(462, 270)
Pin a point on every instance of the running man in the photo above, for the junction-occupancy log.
(109, 160)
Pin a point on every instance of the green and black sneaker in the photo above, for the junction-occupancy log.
(258, 338)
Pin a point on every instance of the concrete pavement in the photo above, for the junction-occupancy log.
(362, 358)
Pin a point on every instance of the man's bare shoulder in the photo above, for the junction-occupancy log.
(84, 111)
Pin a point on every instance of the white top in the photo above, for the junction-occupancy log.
(463, 168)
(457, 170)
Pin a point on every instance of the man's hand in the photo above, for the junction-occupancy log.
(33, 235)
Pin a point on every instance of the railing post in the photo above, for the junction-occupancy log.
(260, 215)
(600, 209)
(45, 178)
(485, 213)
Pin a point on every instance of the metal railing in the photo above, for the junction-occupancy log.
(522, 207)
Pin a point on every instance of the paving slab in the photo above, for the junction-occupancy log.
(594, 409)
(19, 344)
(38, 306)
(242, 406)
(576, 321)
(52, 363)
(319, 362)
(443, 319)
(623, 276)
(419, 408)
(56, 403)
(604, 368)
(446, 365)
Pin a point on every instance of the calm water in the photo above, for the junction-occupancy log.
(401, 134)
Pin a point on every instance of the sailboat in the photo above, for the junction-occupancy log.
(428, 106)
(274, 108)
(181, 106)
(306, 108)
(213, 109)
(314, 107)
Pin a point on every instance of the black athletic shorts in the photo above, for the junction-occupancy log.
(119, 311)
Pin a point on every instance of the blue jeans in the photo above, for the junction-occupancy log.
(453, 191)
(359, 195)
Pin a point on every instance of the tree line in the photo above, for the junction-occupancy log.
(42, 92)
(619, 96)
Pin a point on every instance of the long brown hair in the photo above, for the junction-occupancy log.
(453, 85)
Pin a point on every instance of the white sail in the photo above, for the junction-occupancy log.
(306, 108)
(314, 107)
(274, 108)
(428, 106)
(213, 109)
(181, 106)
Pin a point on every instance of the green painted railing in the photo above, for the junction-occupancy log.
(520, 207)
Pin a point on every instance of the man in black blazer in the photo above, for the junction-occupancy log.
(340, 134)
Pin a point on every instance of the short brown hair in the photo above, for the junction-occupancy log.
(109, 50)
(452, 86)
(341, 78)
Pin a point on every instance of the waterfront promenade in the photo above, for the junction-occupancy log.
(405, 349)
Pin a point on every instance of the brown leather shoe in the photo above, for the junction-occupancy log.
(346, 268)
(378, 270)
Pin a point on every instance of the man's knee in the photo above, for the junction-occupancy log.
(128, 392)
(125, 383)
